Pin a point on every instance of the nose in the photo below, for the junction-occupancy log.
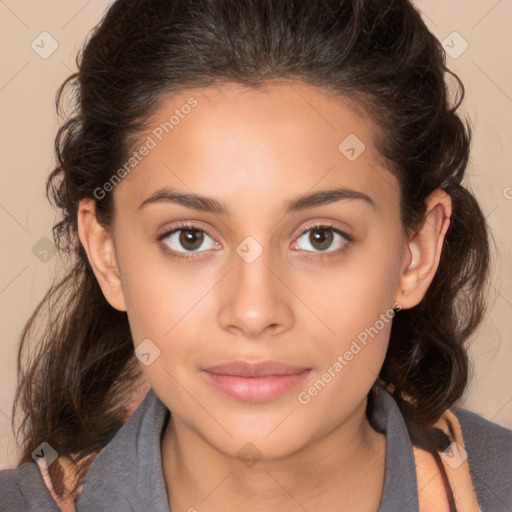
(254, 299)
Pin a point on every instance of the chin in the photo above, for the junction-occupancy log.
(252, 445)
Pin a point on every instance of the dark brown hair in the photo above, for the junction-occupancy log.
(379, 55)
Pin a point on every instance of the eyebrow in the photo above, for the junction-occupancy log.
(208, 204)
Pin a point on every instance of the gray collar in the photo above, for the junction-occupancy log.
(127, 474)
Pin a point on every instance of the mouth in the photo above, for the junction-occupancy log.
(255, 382)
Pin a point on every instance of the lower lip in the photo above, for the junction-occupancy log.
(252, 389)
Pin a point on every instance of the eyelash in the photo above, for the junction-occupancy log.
(178, 254)
(322, 255)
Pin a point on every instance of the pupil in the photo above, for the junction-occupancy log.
(321, 236)
(191, 237)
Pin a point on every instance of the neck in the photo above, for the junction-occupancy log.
(347, 472)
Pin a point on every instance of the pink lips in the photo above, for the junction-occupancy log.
(255, 382)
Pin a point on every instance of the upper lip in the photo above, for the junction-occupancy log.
(255, 369)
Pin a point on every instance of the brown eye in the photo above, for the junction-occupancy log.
(191, 239)
(187, 239)
(321, 238)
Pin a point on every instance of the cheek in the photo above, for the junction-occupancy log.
(160, 306)
(355, 301)
(373, 273)
(360, 320)
(168, 303)
(352, 294)
(157, 291)
(358, 310)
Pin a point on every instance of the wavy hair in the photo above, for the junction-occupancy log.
(380, 56)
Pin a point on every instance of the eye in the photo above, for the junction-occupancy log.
(321, 238)
(187, 239)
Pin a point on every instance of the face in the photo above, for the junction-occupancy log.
(258, 272)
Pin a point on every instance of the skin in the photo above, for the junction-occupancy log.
(256, 150)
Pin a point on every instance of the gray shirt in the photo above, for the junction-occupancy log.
(127, 474)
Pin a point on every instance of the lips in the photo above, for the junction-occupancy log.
(255, 382)
(255, 369)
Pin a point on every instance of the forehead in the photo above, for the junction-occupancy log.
(235, 142)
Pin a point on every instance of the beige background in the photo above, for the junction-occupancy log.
(28, 126)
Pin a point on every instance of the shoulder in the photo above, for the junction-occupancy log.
(489, 442)
(489, 452)
(23, 489)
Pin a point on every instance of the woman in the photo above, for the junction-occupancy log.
(262, 202)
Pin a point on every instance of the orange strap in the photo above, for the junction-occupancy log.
(432, 495)
(67, 503)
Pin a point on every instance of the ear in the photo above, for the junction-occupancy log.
(99, 246)
(424, 250)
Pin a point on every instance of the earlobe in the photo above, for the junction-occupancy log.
(100, 250)
(424, 250)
